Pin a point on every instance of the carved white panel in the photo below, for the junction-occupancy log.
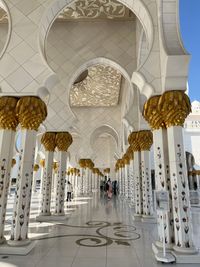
(110, 9)
(100, 88)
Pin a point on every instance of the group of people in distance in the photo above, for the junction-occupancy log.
(109, 187)
(106, 186)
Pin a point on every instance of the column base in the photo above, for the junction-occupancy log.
(17, 247)
(192, 250)
(2, 240)
(45, 214)
(148, 219)
(191, 256)
(51, 218)
(187, 257)
(137, 217)
(169, 257)
(159, 245)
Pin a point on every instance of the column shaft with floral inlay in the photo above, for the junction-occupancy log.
(133, 141)
(175, 106)
(81, 179)
(145, 139)
(131, 176)
(8, 124)
(48, 141)
(54, 176)
(42, 165)
(31, 112)
(35, 171)
(63, 141)
(154, 117)
(126, 175)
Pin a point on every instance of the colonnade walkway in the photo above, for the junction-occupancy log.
(98, 233)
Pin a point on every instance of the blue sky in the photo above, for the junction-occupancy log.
(190, 30)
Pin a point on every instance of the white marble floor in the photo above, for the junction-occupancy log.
(98, 233)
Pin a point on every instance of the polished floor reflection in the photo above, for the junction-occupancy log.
(98, 233)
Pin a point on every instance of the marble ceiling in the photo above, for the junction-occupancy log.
(96, 9)
(101, 88)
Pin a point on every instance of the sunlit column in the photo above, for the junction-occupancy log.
(63, 141)
(145, 139)
(31, 112)
(161, 162)
(48, 141)
(42, 165)
(8, 125)
(54, 176)
(35, 171)
(133, 141)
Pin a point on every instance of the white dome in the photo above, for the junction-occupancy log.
(196, 106)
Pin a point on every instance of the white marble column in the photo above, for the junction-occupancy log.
(54, 176)
(35, 171)
(180, 191)
(76, 181)
(146, 186)
(47, 181)
(90, 181)
(162, 181)
(63, 141)
(126, 174)
(42, 164)
(138, 185)
(60, 186)
(132, 183)
(48, 141)
(6, 153)
(81, 181)
(87, 180)
(29, 122)
(21, 210)
(120, 181)
(123, 180)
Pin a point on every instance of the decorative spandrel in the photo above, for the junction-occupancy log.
(101, 88)
(92, 9)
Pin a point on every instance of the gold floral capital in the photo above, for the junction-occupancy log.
(145, 139)
(107, 170)
(31, 112)
(13, 162)
(8, 117)
(126, 159)
(130, 153)
(42, 163)
(82, 163)
(63, 141)
(89, 164)
(133, 141)
(49, 141)
(169, 109)
(152, 114)
(55, 166)
(175, 106)
(36, 167)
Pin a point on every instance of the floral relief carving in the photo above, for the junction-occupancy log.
(3, 16)
(92, 9)
(100, 88)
